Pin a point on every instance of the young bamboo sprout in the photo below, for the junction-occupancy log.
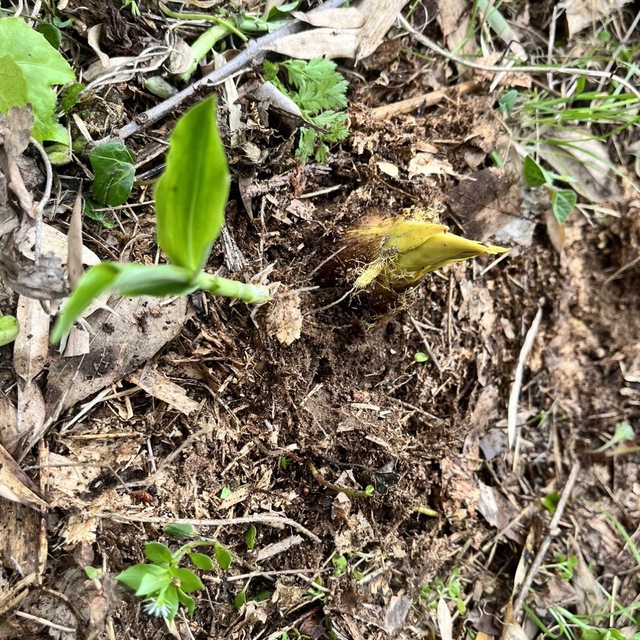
(399, 252)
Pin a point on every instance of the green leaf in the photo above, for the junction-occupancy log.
(71, 96)
(153, 582)
(250, 537)
(128, 279)
(171, 598)
(187, 601)
(9, 329)
(95, 211)
(92, 573)
(94, 283)
(562, 203)
(225, 493)
(420, 356)
(192, 192)
(51, 33)
(114, 172)
(534, 174)
(41, 66)
(223, 557)
(241, 598)
(507, 101)
(202, 561)
(13, 86)
(178, 531)
(189, 581)
(157, 552)
(133, 576)
(153, 280)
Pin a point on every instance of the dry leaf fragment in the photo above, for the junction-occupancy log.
(345, 18)
(284, 320)
(156, 385)
(16, 486)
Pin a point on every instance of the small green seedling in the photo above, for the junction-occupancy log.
(450, 589)
(190, 200)
(321, 94)
(164, 583)
(562, 200)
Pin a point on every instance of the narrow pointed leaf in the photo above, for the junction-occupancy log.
(192, 192)
(187, 601)
(94, 283)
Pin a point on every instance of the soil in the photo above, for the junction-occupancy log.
(276, 428)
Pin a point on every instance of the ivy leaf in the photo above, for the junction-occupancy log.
(114, 172)
(192, 192)
(157, 552)
(562, 203)
(534, 174)
(41, 66)
(13, 86)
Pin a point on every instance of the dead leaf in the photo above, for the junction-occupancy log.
(15, 484)
(555, 231)
(576, 154)
(581, 14)
(396, 613)
(181, 57)
(75, 246)
(487, 203)
(346, 18)
(122, 342)
(158, 386)
(31, 347)
(424, 164)
(445, 623)
(380, 16)
(317, 43)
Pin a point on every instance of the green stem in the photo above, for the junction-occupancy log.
(249, 293)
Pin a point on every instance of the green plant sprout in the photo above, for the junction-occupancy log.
(321, 93)
(613, 622)
(449, 590)
(190, 200)
(564, 566)
(164, 583)
(562, 200)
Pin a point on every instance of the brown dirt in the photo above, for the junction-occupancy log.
(348, 397)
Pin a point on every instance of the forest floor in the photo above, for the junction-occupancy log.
(230, 426)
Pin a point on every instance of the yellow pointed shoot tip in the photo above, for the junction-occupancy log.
(410, 246)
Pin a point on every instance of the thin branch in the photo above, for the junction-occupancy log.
(512, 412)
(276, 521)
(552, 532)
(572, 71)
